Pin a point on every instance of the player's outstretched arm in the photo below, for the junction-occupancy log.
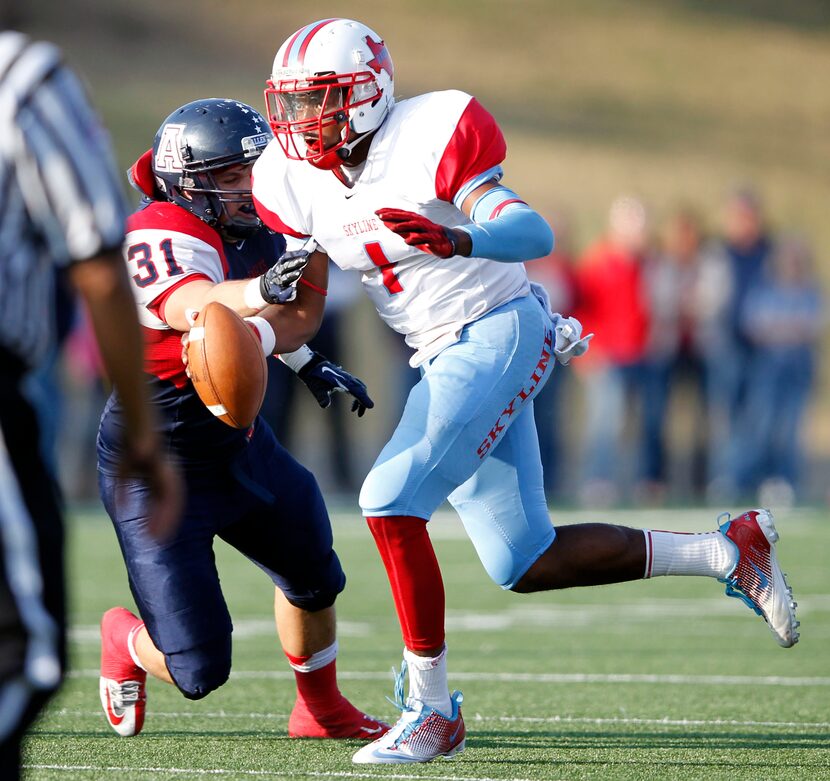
(504, 228)
(297, 322)
(247, 297)
(281, 328)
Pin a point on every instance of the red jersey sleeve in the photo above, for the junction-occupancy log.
(476, 145)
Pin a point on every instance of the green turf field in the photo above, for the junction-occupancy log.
(665, 679)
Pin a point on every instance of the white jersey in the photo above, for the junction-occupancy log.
(428, 148)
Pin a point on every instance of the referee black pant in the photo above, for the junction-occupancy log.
(32, 611)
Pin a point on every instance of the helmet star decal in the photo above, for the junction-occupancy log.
(381, 60)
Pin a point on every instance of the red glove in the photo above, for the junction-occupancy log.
(418, 231)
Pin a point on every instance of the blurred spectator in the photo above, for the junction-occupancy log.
(85, 393)
(613, 303)
(42, 384)
(557, 274)
(672, 358)
(782, 318)
(730, 269)
(279, 405)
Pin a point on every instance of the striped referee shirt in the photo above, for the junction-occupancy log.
(61, 200)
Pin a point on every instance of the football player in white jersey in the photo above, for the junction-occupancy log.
(410, 194)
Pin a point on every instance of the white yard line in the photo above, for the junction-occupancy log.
(670, 613)
(662, 722)
(243, 628)
(570, 678)
(478, 718)
(186, 771)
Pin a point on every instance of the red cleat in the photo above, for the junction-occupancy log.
(342, 723)
(122, 682)
(757, 579)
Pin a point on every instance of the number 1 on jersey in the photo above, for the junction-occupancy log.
(375, 253)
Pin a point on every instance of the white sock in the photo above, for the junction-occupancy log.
(316, 661)
(131, 646)
(428, 680)
(674, 553)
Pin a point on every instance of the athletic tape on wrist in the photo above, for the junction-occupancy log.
(299, 358)
(253, 296)
(266, 333)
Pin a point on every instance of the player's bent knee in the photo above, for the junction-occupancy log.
(316, 602)
(503, 576)
(389, 486)
(542, 575)
(329, 580)
(505, 569)
(526, 585)
(375, 496)
(199, 671)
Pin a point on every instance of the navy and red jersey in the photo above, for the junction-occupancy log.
(165, 247)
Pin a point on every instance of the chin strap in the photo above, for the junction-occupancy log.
(329, 160)
(345, 152)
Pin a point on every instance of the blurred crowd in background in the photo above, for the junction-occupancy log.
(696, 385)
(694, 390)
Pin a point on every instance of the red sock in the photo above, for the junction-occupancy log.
(317, 688)
(321, 711)
(415, 577)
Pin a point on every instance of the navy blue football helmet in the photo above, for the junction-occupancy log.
(199, 139)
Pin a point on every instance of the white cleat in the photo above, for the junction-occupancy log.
(420, 735)
(757, 579)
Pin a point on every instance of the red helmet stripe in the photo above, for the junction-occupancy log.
(307, 41)
(290, 46)
(309, 31)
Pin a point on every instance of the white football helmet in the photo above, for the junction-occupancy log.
(335, 71)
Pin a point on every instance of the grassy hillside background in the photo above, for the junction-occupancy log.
(673, 99)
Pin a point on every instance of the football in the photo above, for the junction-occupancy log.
(227, 365)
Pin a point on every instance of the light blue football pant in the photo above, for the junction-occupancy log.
(467, 434)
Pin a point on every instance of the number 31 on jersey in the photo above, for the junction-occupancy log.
(148, 262)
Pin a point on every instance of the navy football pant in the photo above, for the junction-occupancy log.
(263, 503)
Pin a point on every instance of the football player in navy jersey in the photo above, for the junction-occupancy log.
(195, 239)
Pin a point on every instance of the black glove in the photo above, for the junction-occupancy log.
(324, 378)
(278, 285)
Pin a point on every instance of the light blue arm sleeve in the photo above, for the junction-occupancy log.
(493, 174)
(506, 229)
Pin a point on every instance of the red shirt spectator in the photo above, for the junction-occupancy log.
(613, 302)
